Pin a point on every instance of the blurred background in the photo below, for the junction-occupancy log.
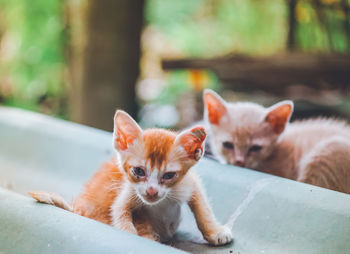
(81, 59)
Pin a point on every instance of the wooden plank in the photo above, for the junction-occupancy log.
(274, 73)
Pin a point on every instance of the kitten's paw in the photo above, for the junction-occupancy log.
(153, 236)
(221, 236)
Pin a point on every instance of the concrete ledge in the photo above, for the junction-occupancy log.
(29, 227)
(267, 214)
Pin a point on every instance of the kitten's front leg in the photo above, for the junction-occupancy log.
(212, 231)
(122, 209)
(144, 227)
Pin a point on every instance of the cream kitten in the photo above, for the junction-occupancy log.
(142, 190)
(315, 151)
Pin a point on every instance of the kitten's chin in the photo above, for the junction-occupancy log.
(150, 202)
(252, 165)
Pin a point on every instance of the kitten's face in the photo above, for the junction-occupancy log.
(244, 134)
(155, 160)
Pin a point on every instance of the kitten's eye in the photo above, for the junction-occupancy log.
(138, 171)
(255, 148)
(169, 175)
(228, 145)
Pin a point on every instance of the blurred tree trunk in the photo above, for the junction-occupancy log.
(292, 24)
(103, 59)
(346, 22)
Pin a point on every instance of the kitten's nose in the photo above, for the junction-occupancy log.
(239, 163)
(152, 192)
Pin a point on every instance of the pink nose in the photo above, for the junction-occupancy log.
(239, 163)
(152, 192)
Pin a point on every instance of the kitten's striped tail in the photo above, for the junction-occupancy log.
(51, 199)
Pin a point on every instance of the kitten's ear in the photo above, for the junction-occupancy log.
(215, 106)
(126, 130)
(192, 141)
(278, 115)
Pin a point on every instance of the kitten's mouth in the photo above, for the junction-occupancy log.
(151, 200)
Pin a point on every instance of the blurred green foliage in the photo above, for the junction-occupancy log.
(214, 27)
(33, 40)
(312, 34)
(32, 59)
(207, 28)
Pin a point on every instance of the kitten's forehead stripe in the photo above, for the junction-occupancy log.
(245, 114)
(245, 122)
(158, 144)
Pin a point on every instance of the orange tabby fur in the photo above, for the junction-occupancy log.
(141, 190)
(99, 193)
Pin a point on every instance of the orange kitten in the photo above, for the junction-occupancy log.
(142, 190)
(246, 134)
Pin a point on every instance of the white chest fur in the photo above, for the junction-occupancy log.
(164, 218)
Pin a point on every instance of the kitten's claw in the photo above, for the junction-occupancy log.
(221, 237)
